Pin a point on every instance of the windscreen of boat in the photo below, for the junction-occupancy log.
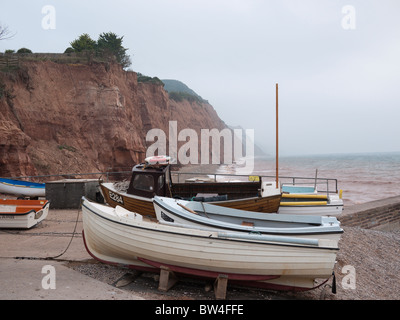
(143, 182)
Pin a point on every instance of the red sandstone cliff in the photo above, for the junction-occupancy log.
(76, 118)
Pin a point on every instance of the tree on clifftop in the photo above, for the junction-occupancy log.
(110, 43)
(84, 42)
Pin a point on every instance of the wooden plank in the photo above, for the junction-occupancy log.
(167, 279)
(220, 285)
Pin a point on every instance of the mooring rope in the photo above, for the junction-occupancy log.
(56, 256)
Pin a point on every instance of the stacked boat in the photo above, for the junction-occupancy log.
(22, 213)
(233, 237)
(285, 253)
(207, 216)
(305, 199)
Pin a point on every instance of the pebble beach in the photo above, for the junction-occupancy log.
(375, 256)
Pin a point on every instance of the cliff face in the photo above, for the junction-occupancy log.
(60, 118)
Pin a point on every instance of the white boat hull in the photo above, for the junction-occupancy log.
(121, 239)
(24, 189)
(10, 220)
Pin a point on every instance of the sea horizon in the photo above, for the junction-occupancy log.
(362, 176)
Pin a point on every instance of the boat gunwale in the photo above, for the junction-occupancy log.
(107, 185)
(24, 184)
(133, 196)
(25, 213)
(203, 223)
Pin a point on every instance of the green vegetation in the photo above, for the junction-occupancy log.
(108, 46)
(84, 49)
(179, 96)
(179, 91)
(83, 43)
(69, 148)
(154, 80)
(24, 50)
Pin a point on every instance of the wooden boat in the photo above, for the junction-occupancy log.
(22, 188)
(207, 216)
(22, 214)
(121, 237)
(306, 200)
(149, 180)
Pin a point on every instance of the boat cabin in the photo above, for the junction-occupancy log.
(155, 180)
(149, 180)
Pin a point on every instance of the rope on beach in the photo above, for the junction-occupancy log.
(59, 255)
(72, 237)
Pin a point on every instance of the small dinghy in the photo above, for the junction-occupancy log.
(22, 214)
(22, 188)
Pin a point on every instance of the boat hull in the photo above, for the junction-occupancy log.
(22, 188)
(122, 240)
(145, 206)
(22, 214)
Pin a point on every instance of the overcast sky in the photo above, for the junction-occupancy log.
(337, 62)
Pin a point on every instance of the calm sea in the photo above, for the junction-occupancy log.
(362, 177)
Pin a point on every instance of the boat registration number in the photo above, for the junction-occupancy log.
(8, 217)
(116, 197)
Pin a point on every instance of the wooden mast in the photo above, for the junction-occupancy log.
(277, 149)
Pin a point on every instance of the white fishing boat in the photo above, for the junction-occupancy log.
(118, 236)
(207, 216)
(22, 188)
(22, 214)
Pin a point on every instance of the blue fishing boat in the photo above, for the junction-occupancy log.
(22, 188)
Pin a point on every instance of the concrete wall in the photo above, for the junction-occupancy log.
(380, 214)
(67, 194)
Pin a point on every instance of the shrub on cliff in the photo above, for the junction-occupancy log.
(179, 96)
(109, 45)
(83, 43)
(24, 50)
(154, 80)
